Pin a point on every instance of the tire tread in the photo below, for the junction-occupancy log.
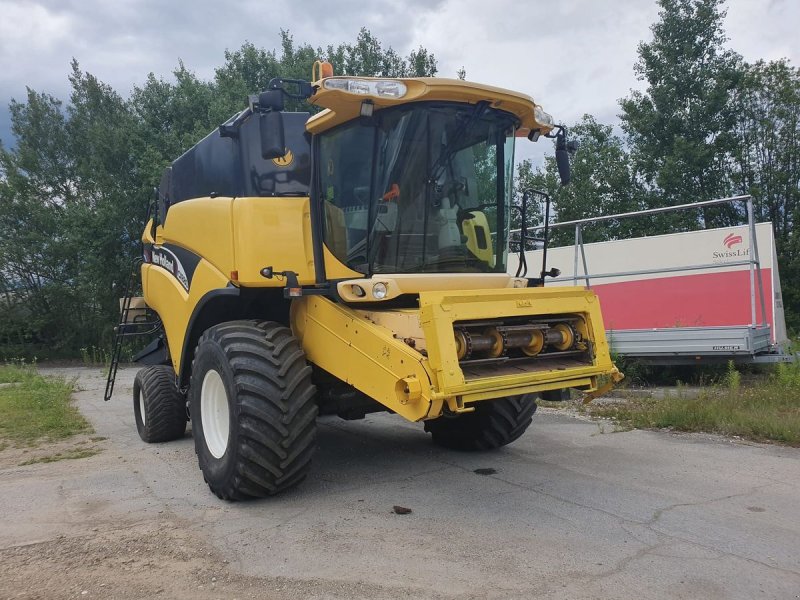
(275, 408)
(165, 407)
(495, 423)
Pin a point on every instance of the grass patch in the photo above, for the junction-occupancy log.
(13, 373)
(66, 455)
(38, 408)
(767, 409)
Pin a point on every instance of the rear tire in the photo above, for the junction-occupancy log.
(493, 424)
(253, 409)
(158, 406)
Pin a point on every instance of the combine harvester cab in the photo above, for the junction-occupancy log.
(695, 297)
(350, 262)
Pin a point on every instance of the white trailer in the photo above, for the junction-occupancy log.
(681, 298)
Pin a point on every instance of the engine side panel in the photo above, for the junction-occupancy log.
(209, 244)
(165, 294)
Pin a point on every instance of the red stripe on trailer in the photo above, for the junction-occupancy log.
(709, 299)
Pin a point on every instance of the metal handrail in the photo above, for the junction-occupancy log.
(638, 213)
(653, 211)
(753, 260)
(738, 263)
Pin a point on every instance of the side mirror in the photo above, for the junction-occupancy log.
(562, 156)
(273, 141)
(562, 162)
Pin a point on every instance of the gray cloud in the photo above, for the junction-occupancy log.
(575, 56)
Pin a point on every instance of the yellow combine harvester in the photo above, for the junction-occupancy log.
(349, 262)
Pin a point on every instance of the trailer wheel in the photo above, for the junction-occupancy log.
(493, 424)
(253, 409)
(158, 406)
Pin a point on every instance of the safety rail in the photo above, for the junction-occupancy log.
(580, 254)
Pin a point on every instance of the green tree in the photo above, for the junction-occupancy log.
(367, 58)
(602, 183)
(767, 161)
(74, 190)
(171, 117)
(68, 197)
(34, 185)
(420, 63)
(680, 128)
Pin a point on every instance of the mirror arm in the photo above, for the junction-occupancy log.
(546, 233)
(305, 88)
(522, 266)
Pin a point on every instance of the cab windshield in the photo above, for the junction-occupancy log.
(420, 188)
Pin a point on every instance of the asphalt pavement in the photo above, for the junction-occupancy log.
(570, 510)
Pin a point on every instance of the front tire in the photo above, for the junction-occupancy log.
(158, 406)
(253, 409)
(493, 423)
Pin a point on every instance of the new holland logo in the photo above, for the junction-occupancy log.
(168, 261)
(285, 160)
(731, 240)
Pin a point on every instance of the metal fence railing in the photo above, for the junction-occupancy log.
(756, 284)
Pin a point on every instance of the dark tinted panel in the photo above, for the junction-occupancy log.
(286, 176)
(233, 166)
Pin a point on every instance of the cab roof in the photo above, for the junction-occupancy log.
(342, 106)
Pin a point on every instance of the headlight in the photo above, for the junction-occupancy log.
(383, 88)
(379, 291)
(390, 89)
(543, 118)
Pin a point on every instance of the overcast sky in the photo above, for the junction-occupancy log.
(572, 56)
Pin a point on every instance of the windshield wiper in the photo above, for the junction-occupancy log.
(452, 145)
(467, 261)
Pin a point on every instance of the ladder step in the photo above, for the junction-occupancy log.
(127, 327)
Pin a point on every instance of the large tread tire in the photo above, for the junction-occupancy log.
(158, 406)
(270, 404)
(493, 423)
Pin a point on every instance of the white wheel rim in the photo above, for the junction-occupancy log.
(141, 408)
(214, 414)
